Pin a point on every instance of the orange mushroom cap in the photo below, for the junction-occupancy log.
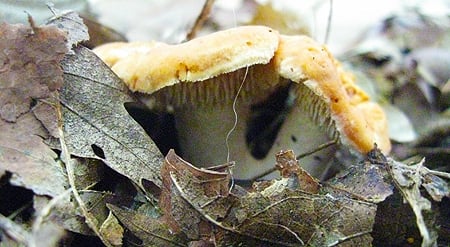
(149, 67)
(359, 122)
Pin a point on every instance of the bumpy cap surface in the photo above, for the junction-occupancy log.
(151, 66)
(359, 122)
(162, 65)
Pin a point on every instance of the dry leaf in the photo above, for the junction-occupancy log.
(66, 212)
(409, 180)
(96, 123)
(31, 162)
(29, 75)
(112, 230)
(366, 180)
(197, 203)
(436, 187)
(29, 66)
(14, 234)
(88, 172)
(394, 223)
(206, 186)
(289, 166)
(151, 231)
(72, 24)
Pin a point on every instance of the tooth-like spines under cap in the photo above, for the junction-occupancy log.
(359, 122)
(150, 67)
(196, 60)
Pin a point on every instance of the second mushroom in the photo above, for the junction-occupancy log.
(208, 81)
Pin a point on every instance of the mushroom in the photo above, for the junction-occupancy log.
(205, 81)
(340, 103)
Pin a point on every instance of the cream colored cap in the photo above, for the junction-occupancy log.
(199, 59)
(359, 122)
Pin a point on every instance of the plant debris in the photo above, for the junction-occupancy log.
(100, 127)
(29, 78)
(75, 165)
(284, 212)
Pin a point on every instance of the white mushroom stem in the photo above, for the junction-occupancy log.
(202, 135)
(196, 77)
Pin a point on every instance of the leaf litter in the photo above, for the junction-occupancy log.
(197, 204)
(101, 127)
(31, 77)
(284, 212)
(30, 74)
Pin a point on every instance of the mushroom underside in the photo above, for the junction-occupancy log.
(295, 118)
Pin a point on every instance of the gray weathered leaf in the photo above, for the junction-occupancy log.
(73, 25)
(67, 214)
(96, 122)
(408, 180)
(152, 232)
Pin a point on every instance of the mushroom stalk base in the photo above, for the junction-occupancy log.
(202, 136)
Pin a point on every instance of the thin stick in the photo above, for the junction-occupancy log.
(320, 147)
(201, 18)
(330, 14)
(71, 178)
(46, 210)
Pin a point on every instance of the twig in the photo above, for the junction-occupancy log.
(45, 211)
(349, 237)
(209, 218)
(319, 148)
(437, 173)
(330, 15)
(201, 18)
(71, 177)
(14, 231)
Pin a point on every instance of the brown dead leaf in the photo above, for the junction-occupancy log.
(29, 75)
(289, 166)
(31, 162)
(151, 231)
(276, 215)
(46, 114)
(67, 214)
(205, 187)
(29, 66)
(366, 180)
(292, 217)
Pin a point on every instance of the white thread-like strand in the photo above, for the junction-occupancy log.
(234, 126)
(235, 115)
(328, 30)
